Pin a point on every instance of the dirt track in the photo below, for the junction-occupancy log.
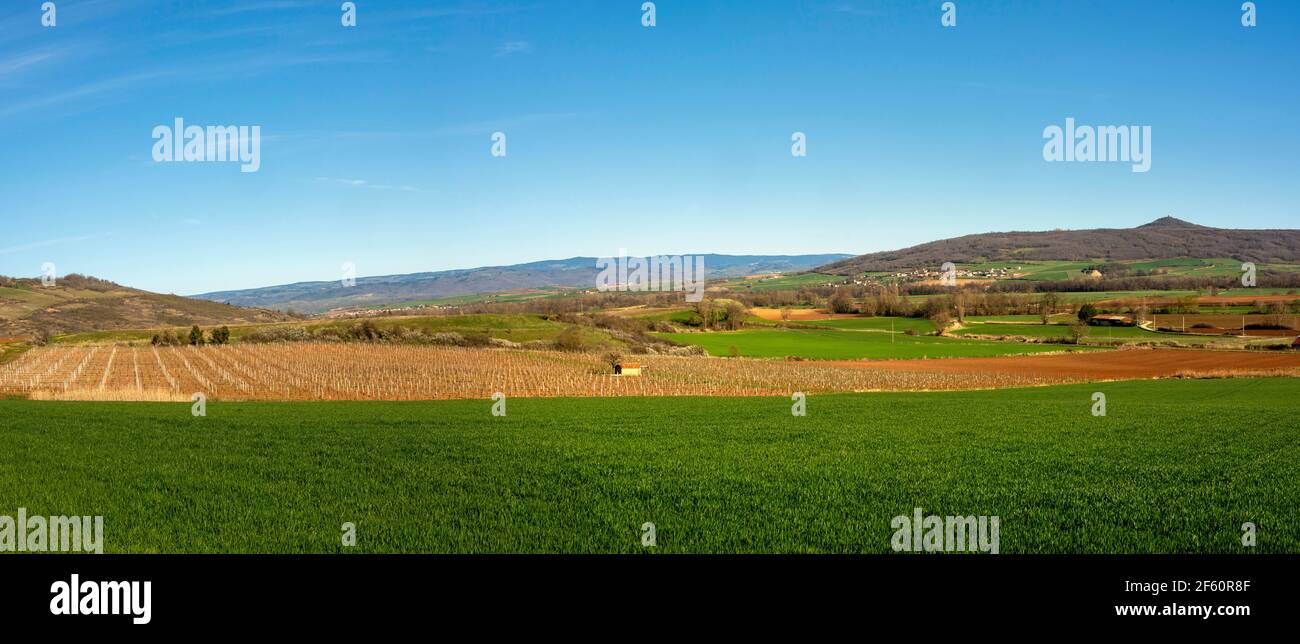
(1101, 365)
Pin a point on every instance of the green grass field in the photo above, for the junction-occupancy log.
(783, 282)
(11, 350)
(1176, 466)
(834, 344)
(1025, 319)
(1103, 335)
(1063, 331)
(896, 324)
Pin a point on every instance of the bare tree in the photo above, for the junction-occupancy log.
(1047, 305)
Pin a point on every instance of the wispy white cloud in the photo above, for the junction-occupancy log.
(81, 91)
(465, 9)
(248, 64)
(19, 62)
(256, 62)
(475, 128)
(514, 47)
(362, 183)
(854, 10)
(251, 7)
(19, 66)
(174, 38)
(487, 127)
(42, 244)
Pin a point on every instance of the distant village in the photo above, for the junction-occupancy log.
(962, 273)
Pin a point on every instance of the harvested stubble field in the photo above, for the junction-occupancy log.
(384, 372)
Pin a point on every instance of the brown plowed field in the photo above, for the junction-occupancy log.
(1223, 323)
(799, 314)
(639, 311)
(1205, 300)
(1103, 365)
(1232, 300)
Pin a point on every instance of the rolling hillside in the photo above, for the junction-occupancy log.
(1164, 238)
(77, 303)
(576, 272)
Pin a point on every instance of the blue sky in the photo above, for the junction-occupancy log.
(672, 139)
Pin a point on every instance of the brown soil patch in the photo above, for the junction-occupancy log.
(642, 310)
(1218, 300)
(800, 314)
(1228, 323)
(1222, 300)
(1236, 331)
(1102, 365)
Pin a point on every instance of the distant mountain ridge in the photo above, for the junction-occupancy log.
(1164, 238)
(574, 272)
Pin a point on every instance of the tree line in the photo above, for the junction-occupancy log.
(195, 337)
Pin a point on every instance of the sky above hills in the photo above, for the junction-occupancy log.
(376, 139)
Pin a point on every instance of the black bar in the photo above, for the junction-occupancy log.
(237, 592)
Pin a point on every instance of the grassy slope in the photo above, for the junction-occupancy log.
(848, 345)
(62, 310)
(11, 350)
(1184, 266)
(1163, 472)
(451, 300)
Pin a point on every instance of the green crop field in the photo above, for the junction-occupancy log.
(1025, 319)
(1080, 297)
(1175, 466)
(782, 282)
(1063, 331)
(834, 344)
(680, 316)
(1238, 292)
(896, 324)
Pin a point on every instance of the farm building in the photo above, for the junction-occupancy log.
(1296, 344)
(627, 369)
(1111, 320)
